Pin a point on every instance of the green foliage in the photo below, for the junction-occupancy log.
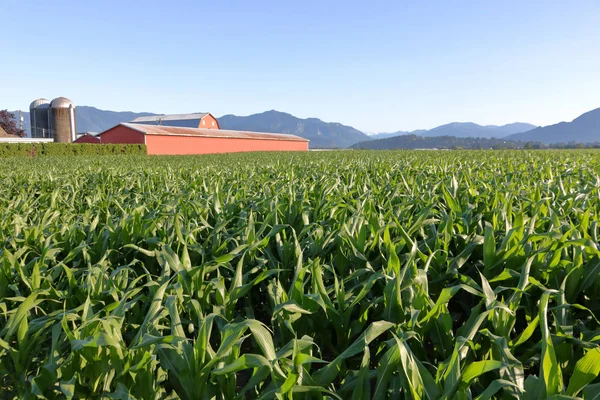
(325, 275)
(68, 149)
(437, 142)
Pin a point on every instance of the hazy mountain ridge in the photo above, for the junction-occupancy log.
(321, 134)
(383, 135)
(91, 119)
(470, 129)
(583, 129)
(462, 129)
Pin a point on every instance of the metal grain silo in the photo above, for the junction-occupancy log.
(39, 116)
(62, 120)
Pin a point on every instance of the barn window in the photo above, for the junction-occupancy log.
(213, 123)
(203, 122)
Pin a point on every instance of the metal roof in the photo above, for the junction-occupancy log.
(39, 102)
(213, 133)
(88, 133)
(16, 139)
(170, 117)
(62, 102)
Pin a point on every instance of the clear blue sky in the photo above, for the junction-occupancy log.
(385, 66)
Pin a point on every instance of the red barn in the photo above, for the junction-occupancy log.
(160, 139)
(88, 137)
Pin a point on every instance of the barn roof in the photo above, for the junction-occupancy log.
(3, 133)
(212, 133)
(171, 117)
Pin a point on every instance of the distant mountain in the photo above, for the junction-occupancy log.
(91, 119)
(462, 130)
(436, 142)
(583, 129)
(509, 129)
(321, 134)
(470, 129)
(384, 135)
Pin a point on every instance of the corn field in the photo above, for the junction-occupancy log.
(330, 275)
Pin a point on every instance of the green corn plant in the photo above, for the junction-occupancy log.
(321, 275)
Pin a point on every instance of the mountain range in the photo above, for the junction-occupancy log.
(384, 135)
(321, 134)
(91, 119)
(463, 130)
(584, 129)
(470, 129)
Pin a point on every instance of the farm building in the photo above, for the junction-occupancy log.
(88, 137)
(196, 120)
(54, 119)
(161, 139)
(8, 138)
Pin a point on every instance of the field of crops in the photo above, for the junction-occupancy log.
(353, 275)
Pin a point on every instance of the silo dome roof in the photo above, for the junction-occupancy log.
(62, 102)
(39, 102)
